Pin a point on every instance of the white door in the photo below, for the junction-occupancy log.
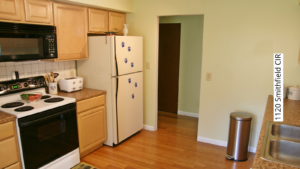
(129, 54)
(129, 104)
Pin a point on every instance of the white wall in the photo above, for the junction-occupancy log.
(240, 38)
(191, 38)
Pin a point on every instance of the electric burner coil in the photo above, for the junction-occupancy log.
(12, 104)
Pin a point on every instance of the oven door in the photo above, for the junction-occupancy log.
(48, 135)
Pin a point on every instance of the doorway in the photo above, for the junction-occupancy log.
(168, 69)
(185, 93)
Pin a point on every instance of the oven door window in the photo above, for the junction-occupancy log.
(50, 130)
(48, 138)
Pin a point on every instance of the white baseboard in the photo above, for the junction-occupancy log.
(150, 128)
(252, 149)
(220, 143)
(212, 141)
(188, 114)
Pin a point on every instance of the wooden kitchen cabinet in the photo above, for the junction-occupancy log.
(9, 154)
(12, 10)
(71, 32)
(91, 119)
(98, 21)
(26, 11)
(116, 21)
(38, 11)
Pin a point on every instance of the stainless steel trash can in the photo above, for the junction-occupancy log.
(238, 136)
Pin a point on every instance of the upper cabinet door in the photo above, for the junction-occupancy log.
(116, 21)
(38, 11)
(98, 21)
(11, 10)
(71, 31)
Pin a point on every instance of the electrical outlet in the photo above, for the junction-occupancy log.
(208, 76)
(72, 73)
(147, 65)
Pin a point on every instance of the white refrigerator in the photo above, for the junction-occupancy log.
(115, 64)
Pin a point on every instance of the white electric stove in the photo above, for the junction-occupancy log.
(47, 129)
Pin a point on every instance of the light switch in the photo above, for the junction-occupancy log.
(147, 65)
(208, 76)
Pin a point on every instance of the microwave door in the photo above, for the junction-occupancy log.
(27, 47)
(20, 42)
(21, 47)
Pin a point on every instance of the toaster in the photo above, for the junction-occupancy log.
(71, 84)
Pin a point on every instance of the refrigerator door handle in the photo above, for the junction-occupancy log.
(117, 127)
(114, 95)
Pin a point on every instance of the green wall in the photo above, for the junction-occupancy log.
(190, 60)
(239, 40)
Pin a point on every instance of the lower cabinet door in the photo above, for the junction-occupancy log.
(92, 130)
(14, 166)
(8, 152)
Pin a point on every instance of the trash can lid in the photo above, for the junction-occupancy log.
(240, 116)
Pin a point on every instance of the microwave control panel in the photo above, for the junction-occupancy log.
(51, 45)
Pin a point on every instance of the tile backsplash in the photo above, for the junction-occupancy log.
(36, 68)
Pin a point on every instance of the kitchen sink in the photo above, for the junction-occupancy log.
(285, 131)
(281, 143)
(285, 151)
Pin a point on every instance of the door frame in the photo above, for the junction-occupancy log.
(156, 65)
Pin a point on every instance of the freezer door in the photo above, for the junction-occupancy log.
(129, 105)
(129, 54)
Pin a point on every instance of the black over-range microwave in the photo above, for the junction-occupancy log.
(27, 42)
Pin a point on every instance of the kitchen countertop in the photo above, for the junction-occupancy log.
(83, 94)
(5, 117)
(291, 115)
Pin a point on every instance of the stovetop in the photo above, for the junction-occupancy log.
(24, 108)
(38, 106)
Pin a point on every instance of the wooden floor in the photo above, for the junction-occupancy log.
(173, 145)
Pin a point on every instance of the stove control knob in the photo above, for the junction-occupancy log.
(25, 84)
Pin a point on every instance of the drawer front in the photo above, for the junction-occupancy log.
(14, 166)
(7, 130)
(9, 152)
(90, 103)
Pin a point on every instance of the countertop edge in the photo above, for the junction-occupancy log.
(84, 94)
(291, 112)
(5, 117)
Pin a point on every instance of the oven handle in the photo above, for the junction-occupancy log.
(45, 118)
